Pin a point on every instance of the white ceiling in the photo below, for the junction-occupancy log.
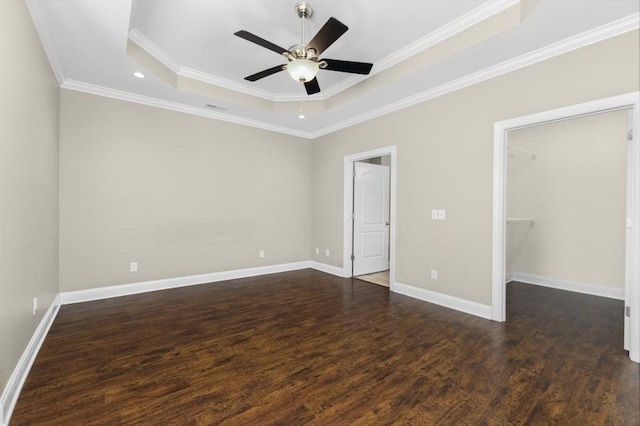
(86, 41)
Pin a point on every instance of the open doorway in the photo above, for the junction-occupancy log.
(369, 229)
(629, 219)
(370, 249)
(566, 212)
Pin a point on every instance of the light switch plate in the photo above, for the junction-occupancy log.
(434, 274)
(434, 214)
(442, 214)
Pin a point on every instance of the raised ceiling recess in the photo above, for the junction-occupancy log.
(191, 58)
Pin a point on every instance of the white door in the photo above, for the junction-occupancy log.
(370, 219)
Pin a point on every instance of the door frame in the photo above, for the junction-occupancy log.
(632, 281)
(347, 246)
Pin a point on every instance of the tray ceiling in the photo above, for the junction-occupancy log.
(192, 60)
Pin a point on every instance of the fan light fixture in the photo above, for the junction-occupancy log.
(304, 59)
(302, 70)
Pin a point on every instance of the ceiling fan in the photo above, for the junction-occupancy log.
(304, 62)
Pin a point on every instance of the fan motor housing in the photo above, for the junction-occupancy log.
(300, 51)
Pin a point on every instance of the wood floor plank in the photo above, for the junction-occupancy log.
(307, 347)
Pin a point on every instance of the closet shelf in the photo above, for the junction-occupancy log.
(521, 220)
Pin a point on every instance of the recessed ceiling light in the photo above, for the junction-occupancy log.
(138, 74)
(301, 116)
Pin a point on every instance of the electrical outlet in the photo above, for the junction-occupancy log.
(35, 305)
(133, 267)
(434, 274)
(261, 254)
(434, 214)
(442, 214)
(326, 252)
(317, 250)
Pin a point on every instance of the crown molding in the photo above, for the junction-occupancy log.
(182, 71)
(239, 87)
(595, 35)
(454, 27)
(94, 89)
(45, 39)
(465, 21)
(460, 24)
(297, 97)
(584, 39)
(154, 50)
(225, 83)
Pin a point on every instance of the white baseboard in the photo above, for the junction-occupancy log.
(452, 302)
(16, 381)
(19, 375)
(78, 296)
(329, 269)
(577, 287)
(508, 278)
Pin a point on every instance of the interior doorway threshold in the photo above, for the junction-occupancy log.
(380, 278)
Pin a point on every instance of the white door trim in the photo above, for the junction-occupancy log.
(629, 100)
(348, 201)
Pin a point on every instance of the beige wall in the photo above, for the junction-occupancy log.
(184, 195)
(575, 188)
(445, 149)
(28, 183)
(179, 194)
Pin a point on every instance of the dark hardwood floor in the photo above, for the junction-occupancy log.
(307, 347)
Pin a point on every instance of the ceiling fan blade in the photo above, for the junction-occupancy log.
(312, 86)
(330, 32)
(260, 41)
(347, 66)
(262, 74)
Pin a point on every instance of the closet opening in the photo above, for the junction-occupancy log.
(566, 208)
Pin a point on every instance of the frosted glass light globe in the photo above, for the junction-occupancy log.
(302, 70)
